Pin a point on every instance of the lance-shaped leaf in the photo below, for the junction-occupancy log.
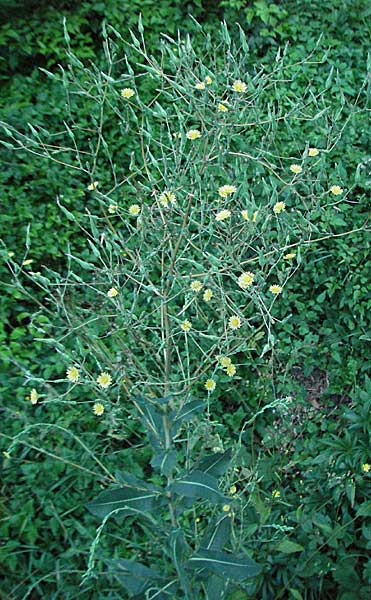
(186, 413)
(217, 533)
(165, 461)
(153, 420)
(215, 464)
(224, 564)
(134, 576)
(216, 588)
(198, 485)
(179, 552)
(129, 501)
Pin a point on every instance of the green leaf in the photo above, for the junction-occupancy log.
(217, 533)
(165, 461)
(134, 576)
(179, 551)
(225, 565)
(288, 547)
(199, 485)
(295, 594)
(364, 509)
(215, 464)
(129, 500)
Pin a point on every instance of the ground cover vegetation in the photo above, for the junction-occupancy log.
(184, 268)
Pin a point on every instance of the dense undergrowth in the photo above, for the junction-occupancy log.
(303, 464)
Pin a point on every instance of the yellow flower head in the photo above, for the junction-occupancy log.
(11, 254)
(223, 215)
(231, 370)
(254, 216)
(366, 468)
(26, 262)
(196, 286)
(313, 152)
(289, 256)
(296, 169)
(34, 396)
(245, 280)
(245, 215)
(222, 107)
(279, 207)
(275, 289)
(210, 385)
(104, 380)
(98, 409)
(193, 134)
(72, 374)
(336, 190)
(226, 508)
(232, 489)
(134, 210)
(167, 197)
(186, 325)
(208, 294)
(276, 494)
(93, 186)
(239, 86)
(127, 93)
(226, 190)
(112, 293)
(112, 209)
(225, 361)
(234, 322)
(208, 80)
(200, 86)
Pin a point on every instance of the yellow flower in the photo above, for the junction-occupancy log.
(208, 294)
(104, 380)
(112, 293)
(231, 370)
(232, 489)
(226, 190)
(279, 207)
(208, 80)
(296, 169)
(186, 325)
(234, 322)
(93, 186)
(11, 254)
(226, 508)
(223, 215)
(134, 210)
(245, 280)
(366, 467)
(193, 134)
(72, 374)
(313, 152)
(210, 385)
(196, 286)
(289, 256)
(98, 409)
(200, 86)
(239, 86)
(222, 107)
(254, 216)
(34, 396)
(275, 289)
(127, 93)
(26, 262)
(112, 209)
(276, 494)
(245, 215)
(167, 197)
(225, 361)
(336, 190)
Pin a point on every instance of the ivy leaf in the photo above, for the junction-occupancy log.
(224, 564)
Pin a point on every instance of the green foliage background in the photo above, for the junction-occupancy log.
(45, 526)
